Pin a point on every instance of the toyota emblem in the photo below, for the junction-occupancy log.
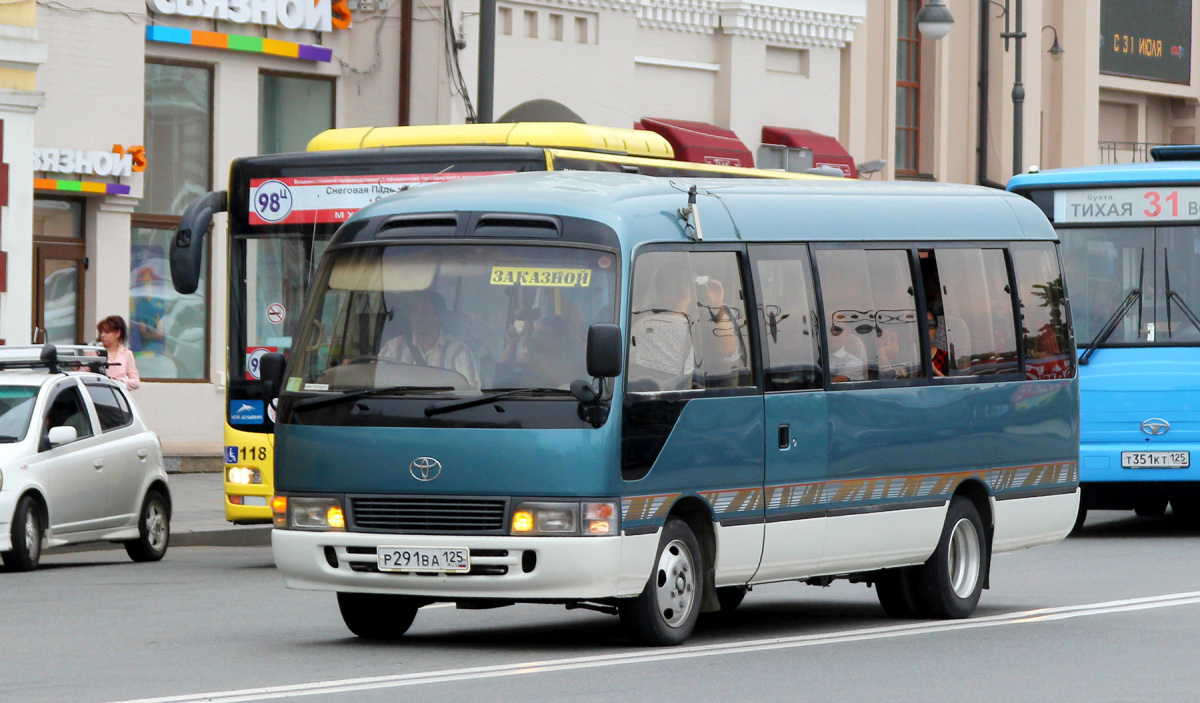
(1155, 426)
(425, 468)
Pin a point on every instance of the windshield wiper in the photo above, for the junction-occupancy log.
(1133, 296)
(321, 401)
(451, 406)
(1173, 296)
(6, 438)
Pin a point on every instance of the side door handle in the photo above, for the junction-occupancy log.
(785, 440)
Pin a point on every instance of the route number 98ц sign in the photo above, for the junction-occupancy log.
(272, 201)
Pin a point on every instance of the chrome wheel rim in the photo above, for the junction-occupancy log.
(965, 558)
(156, 526)
(33, 537)
(675, 583)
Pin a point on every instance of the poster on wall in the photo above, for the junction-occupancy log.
(1149, 39)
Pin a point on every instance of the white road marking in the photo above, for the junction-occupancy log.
(660, 655)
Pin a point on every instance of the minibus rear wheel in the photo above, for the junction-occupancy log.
(666, 611)
(375, 616)
(894, 588)
(949, 583)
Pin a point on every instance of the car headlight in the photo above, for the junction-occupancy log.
(563, 518)
(243, 475)
(320, 514)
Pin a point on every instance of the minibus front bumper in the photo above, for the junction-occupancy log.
(503, 567)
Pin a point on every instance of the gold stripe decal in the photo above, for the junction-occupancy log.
(827, 494)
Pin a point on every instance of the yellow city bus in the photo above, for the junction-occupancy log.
(284, 208)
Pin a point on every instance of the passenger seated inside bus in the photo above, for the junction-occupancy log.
(667, 314)
(940, 360)
(430, 344)
(847, 356)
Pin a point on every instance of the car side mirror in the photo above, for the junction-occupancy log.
(271, 368)
(604, 345)
(63, 434)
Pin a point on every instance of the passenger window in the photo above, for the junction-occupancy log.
(973, 311)
(110, 408)
(787, 316)
(1044, 328)
(870, 314)
(67, 409)
(688, 325)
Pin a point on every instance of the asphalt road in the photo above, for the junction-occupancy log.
(1107, 616)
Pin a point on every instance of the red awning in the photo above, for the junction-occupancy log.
(826, 149)
(701, 142)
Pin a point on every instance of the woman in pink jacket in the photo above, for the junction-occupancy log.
(113, 337)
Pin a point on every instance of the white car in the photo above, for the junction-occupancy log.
(77, 462)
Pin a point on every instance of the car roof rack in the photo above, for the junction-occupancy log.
(55, 358)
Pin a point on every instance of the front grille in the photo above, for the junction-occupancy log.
(428, 515)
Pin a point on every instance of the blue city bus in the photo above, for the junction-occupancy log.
(645, 396)
(1130, 238)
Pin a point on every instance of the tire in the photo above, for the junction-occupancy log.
(374, 616)
(948, 584)
(894, 587)
(28, 527)
(1080, 516)
(667, 610)
(154, 529)
(1151, 507)
(1186, 509)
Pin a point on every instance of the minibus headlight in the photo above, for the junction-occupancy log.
(315, 514)
(243, 476)
(555, 518)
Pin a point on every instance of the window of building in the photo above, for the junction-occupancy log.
(556, 27)
(782, 59)
(787, 315)
(292, 110)
(581, 31)
(504, 20)
(908, 89)
(531, 24)
(169, 332)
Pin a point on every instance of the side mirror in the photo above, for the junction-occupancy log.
(271, 368)
(604, 346)
(187, 250)
(63, 434)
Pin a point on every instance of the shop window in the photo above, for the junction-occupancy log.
(169, 332)
(291, 111)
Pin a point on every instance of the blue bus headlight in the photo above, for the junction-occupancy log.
(316, 514)
(560, 518)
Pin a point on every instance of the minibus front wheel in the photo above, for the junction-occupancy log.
(666, 611)
(376, 616)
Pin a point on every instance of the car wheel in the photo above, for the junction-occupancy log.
(894, 588)
(154, 529)
(376, 616)
(666, 611)
(949, 583)
(26, 536)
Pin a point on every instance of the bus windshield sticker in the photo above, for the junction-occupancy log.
(324, 199)
(541, 277)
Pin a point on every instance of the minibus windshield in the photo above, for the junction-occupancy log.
(453, 318)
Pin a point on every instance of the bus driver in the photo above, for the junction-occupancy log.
(430, 344)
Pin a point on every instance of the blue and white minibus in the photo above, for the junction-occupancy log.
(1130, 238)
(644, 396)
